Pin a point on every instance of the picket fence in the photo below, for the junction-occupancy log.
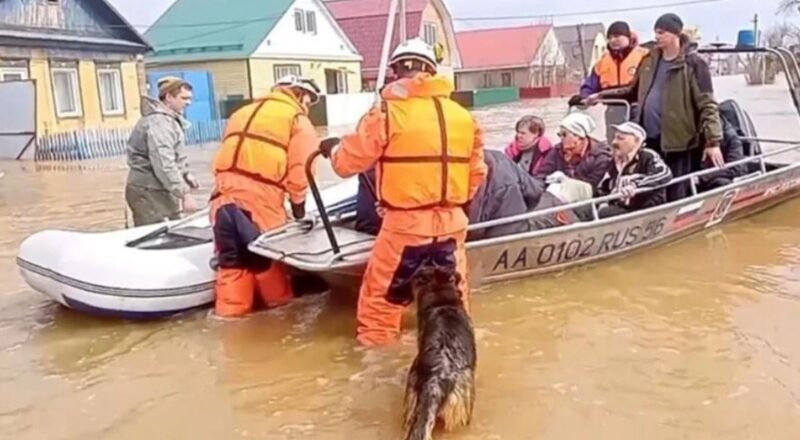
(110, 142)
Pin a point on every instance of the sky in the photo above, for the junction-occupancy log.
(717, 19)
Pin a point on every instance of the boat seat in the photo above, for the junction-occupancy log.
(201, 234)
(314, 246)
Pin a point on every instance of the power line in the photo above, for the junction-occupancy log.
(477, 18)
(595, 12)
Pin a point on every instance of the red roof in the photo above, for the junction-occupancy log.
(506, 47)
(343, 9)
(364, 22)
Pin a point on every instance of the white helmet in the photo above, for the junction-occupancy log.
(306, 84)
(416, 49)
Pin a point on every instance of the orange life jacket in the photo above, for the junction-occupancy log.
(613, 74)
(257, 138)
(426, 162)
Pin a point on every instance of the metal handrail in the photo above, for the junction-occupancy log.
(596, 201)
(323, 213)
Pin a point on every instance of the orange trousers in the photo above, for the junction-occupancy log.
(378, 319)
(242, 274)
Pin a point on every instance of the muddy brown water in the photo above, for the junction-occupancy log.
(692, 340)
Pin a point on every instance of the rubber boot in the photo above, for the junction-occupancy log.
(235, 290)
(274, 286)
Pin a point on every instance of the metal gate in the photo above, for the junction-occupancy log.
(203, 108)
(18, 126)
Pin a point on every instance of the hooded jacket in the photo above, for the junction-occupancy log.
(690, 117)
(156, 155)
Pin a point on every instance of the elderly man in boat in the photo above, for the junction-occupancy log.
(159, 182)
(429, 154)
(635, 167)
(260, 162)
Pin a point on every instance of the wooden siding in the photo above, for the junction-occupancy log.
(230, 77)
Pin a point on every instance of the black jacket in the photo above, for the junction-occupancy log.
(646, 170)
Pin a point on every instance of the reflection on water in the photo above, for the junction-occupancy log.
(695, 339)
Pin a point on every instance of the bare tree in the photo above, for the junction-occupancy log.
(789, 6)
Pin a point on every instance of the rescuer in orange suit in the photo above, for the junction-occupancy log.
(261, 160)
(428, 152)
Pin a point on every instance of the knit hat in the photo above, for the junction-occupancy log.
(670, 23)
(619, 28)
(579, 124)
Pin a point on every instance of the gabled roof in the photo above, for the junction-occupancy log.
(213, 29)
(349, 9)
(500, 48)
(364, 22)
(569, 40)
(116, 17)
(107, 30)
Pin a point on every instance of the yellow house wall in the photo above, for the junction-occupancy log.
(47, 120)
(263, 73)
(431, 15)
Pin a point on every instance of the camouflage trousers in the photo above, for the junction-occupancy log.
(150, 205)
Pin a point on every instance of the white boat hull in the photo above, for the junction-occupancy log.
(98, 273)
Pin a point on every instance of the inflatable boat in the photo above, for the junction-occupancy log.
(140, 273)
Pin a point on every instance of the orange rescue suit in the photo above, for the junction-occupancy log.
(613, 73)
(429, 156)
(261, 159)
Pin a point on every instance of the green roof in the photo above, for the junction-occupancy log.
(193, 30)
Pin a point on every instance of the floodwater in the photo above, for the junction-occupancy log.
(692, 340)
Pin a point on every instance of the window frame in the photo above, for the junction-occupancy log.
(299, 20)
(429, 25)
(21, 71)
(503, 76)
(277, 68)
(74, 78)
(119, 89)
(311, 18)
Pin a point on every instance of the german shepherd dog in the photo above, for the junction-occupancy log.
(441, 381)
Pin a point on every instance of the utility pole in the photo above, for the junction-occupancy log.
(756, 36)
(584, 65)
(403, 36)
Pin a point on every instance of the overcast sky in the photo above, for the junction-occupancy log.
(720, 18)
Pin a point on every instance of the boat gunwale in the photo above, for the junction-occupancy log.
(344, 261)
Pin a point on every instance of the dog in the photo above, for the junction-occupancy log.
(441, 381)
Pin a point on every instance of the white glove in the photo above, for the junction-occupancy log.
(556, 177)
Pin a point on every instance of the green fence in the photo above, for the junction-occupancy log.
(482, 97)
(495, 96)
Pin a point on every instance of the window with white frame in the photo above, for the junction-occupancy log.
(282, 70)
(299, 20)
(341, 81)
(109, 81)
(430, 33)
(13, 70)
(311, 22)
(66, 90)
(13, 74)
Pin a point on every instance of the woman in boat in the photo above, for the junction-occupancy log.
(578, 156)
(530, 144)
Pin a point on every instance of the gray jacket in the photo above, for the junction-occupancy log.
(156, 155)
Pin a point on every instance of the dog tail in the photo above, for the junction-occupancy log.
(454, 406)
(422, 418)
